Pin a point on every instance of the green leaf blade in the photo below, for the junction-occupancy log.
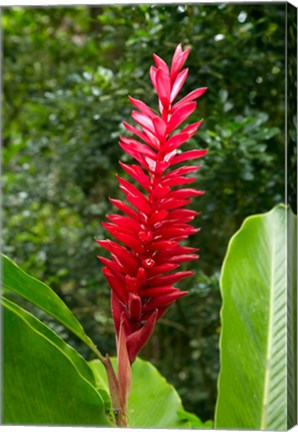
(253, 378)
(42, 384)
(38, 293)
(153, 402)
(76, 359)
(292, 319)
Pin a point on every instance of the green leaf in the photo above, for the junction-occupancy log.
(252, 386)
(78, 361)
(292, 319)
(192, 421)
(16, 280)
(153, 402)
(45, 381)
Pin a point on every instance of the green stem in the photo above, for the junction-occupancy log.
(117, 405)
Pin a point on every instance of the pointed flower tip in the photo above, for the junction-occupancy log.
(103, 243)
(178, 49)
(203, 90)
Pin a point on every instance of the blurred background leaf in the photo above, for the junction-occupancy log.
(67, 73)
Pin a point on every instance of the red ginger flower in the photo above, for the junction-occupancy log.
(150, 231)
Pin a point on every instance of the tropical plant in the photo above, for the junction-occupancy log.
(67, 72)
(41, 371)
(151, 230)
(46, 381)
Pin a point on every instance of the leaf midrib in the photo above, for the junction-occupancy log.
(269, 340)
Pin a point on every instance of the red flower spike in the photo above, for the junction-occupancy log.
(153, 222)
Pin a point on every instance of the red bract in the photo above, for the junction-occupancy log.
(154, 222)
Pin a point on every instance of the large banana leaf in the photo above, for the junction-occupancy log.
(292, 318)
(252, 387)
(38, 293)
(45, 381)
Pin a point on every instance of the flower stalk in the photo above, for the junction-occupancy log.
(153, 221)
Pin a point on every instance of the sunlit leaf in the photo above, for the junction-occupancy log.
(252, 387)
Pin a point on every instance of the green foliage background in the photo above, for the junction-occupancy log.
(67, 74)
